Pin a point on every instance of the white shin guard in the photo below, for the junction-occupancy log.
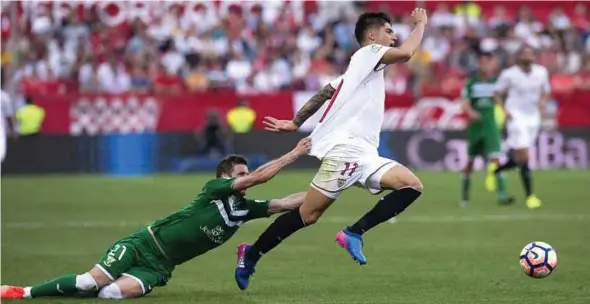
(85, 282)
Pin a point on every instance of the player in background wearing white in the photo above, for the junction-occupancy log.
(8, 119)
(346, 141)
(525, 87)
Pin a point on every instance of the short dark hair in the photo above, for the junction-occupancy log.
(367, 21)
(226, 165)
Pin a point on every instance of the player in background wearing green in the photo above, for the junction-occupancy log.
(134, 265)
(483, 132)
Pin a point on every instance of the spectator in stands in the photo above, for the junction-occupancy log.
(139, 79)
(73, 28)
(196, 79)
(139, 40)
(301, 64)
(559, 19)
(88, 79)
(172, 59)
(264, 81)
(242, 44)
(216, 75)
(164, 81)
(396, 79)
(437, 46)
(499, 20)
(238, 68)
(581, 19)
(6, 58)
(442, 16)
(582, 80)
(462, 57)
(468, 14)
(453, 82)
(569, 60)
(113, 77)
(401, 26)
(527, 26)
(62, 56)
(280, 70)
(548, 58)
(308, 40)
(241, 118)
(31, 83)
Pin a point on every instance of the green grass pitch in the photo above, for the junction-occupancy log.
(436, 252)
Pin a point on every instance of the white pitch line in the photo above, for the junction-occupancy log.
(32, 225)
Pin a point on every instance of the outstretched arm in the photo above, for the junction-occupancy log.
(287, 203)
(267, 171)
(313, 105)
(411, 45)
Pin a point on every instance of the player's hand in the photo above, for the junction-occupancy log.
(303, 146)
(472, 115)
(508, 116)
(280, 126)
(419, 16)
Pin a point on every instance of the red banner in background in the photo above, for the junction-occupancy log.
(99, 114)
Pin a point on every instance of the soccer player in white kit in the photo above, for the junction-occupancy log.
(346, 141)
(526, 89)
(8, 120)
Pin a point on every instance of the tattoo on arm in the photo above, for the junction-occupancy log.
(313, 105)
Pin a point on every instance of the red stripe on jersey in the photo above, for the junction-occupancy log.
(332, 101)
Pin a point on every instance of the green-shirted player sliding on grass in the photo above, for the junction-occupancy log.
(484, 128)
(134, 265)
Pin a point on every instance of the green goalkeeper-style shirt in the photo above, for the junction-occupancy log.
(209, 221)
(480, 93)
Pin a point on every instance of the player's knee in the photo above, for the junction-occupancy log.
(111, 291)
(416, 184)
(468, 168)
(310, 217)
(86, 282)
(521, 156)
(100, 277)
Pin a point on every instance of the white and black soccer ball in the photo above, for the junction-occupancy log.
(538, 259)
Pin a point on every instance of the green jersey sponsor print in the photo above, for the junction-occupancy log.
(209, 221)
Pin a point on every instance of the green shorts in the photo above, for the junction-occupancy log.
(487, 144)
(137, 256)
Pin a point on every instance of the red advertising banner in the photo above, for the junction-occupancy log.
(98, 114)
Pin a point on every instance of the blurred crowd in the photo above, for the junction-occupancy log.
(257, 47)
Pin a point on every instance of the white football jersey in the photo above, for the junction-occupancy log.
(7, 111)
(524, 90)
(354, 115)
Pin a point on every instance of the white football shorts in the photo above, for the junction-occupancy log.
(522, 133)
(346, 166)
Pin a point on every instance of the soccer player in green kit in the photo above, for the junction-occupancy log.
(483, 131)
(134, 265)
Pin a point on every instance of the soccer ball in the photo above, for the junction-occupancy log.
(538, 259)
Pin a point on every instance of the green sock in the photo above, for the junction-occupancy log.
(62, 286)
(465, 184)
(501, 184)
